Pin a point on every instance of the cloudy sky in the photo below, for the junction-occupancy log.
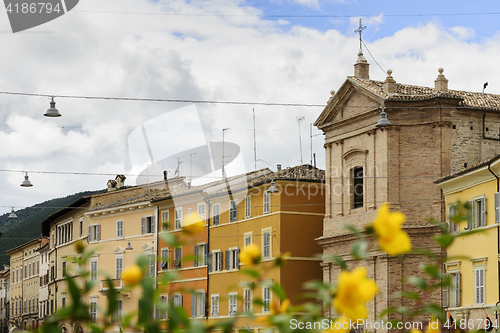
(262, 52)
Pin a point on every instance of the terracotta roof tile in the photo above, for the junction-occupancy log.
(406, 92)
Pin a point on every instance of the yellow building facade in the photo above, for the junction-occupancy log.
(473, 260)
(24, 271)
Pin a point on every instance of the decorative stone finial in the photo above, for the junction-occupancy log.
(441, 83)
(389, 84)
(332, 92)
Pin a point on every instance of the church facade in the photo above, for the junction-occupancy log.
(434, 131)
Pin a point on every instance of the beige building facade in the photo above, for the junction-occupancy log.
(434, 131)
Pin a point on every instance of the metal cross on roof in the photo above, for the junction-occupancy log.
(359, 30)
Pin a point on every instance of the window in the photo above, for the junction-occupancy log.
(152, 266)
(148, 225)
(93, 311)
(80, 227)
(118, 267)
(267, 202)
(233, 304)
(247, 238)
(200, 255)
(198, 304)
(118, 312)
(202, 207)
(63, 300)
(165, 220)
(476, 215)
(93, 270)
(178, 257)
(217, 260)
(233, 211)
(94, 233)
(497, 207)
(177, 300)
(357, 187)
(266, 244)
(164, 259)
(266, 299)
(119, 228)
(248, 207)
(452, 212)
(215, 305)
(232, 259)
(216, 214)
(479, 285)
(247, 300)
(161, 312)
(178, 218)
(455, 289)
(63, 265)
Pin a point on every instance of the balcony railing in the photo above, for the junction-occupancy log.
(117, 285)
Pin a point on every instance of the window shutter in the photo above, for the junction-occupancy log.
(203, 309)
(226, 261)
(193, 305)
(481, 284)
(152, 224)
(143, 222)
(477, 291)
(220, 261)
(180, 299)
(482, 223)
(497, 207)
(195, 256)
(456, 277)
(470, 215)
(89, 238)
(209, 261)
(445, 293)
(98, 232)
(237, 264)
(206, 253)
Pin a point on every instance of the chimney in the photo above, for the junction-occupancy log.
(120, 181)
(279, 167)
(111, 185)
(362, 67)
(441, 83)
(389, 84)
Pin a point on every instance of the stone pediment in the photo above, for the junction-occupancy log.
(351, 100)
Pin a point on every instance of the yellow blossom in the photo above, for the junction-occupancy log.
(250, 254)
(391, 238)
(353, 290)
(193, 223)
(275, 309)
(132, 275)
(79, 247)
(340, 325)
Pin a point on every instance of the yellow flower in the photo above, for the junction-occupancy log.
(132, 275)
(340, 325)
(275, 309)
(391, 238)
(193, 224)
(353, 290)
(250, 254)
(79, 247)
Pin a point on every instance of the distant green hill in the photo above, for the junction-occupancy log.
(28, 224)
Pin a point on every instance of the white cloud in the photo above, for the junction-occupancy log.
(463, 32)
(225, 58)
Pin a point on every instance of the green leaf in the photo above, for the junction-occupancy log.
(250, 272)
(359, 249)
(444, 240)
(431, 270)
(418, 282)
(276, 288)
(337, 260)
